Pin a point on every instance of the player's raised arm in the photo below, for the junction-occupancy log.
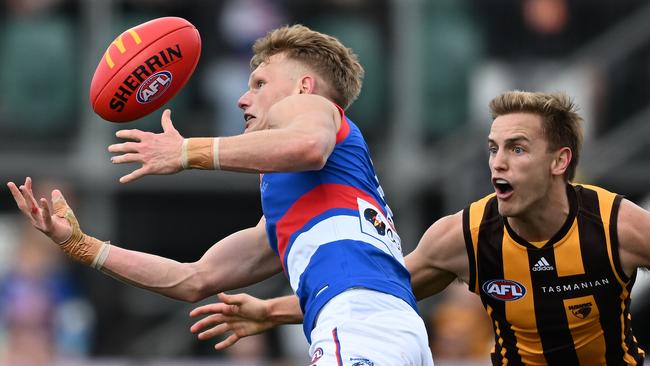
(297, 134)
(439, 258)
(241, 259)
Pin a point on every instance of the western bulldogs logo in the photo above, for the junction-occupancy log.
(154, 87)
(504, 290)
(371, 216)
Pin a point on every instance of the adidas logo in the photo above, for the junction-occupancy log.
(542, 265)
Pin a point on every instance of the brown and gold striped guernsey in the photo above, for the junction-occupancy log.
(564, 303)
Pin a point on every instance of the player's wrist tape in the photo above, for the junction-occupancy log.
(79, 246)
(85, 249)
(200, 153)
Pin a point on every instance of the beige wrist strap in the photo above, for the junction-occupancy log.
(79, 246)
(200, 153)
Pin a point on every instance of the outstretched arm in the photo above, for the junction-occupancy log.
(301, 136)
(439, 258)
(238, 260)
(244, 315)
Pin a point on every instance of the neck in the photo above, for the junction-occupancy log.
(545, 218)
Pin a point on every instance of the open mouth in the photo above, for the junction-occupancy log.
(502, 186)
(247, 120)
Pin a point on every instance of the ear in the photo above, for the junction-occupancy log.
(307, 84)
(561, 162)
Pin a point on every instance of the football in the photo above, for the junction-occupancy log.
(143, 68)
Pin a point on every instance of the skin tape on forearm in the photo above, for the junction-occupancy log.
(201, 153)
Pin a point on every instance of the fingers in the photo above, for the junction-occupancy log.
(59, 203)
(166, 121)
(232, 339)
(215, 331)
(126, 158)
(45, 212)
(134, 175)
(18, 197)
(30, 201)
(135, 135)
(207, 309)
(207, 322)
(236, 299)
(125, 147)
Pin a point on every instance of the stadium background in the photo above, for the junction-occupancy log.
(431, 67)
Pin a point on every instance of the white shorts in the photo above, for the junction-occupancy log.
(362, 327)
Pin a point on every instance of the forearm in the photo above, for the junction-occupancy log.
(164, 276)
(274, 151)
(238, 260)
(284, 310)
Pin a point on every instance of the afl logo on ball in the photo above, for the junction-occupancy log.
(504, 290)
(154, 87)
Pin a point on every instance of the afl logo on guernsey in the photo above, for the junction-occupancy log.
(504, 290)
(154, 87)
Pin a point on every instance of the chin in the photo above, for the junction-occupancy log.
(506, 210)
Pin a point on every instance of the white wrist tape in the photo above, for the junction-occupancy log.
(101, 256)
(184, 162)
(215, 154)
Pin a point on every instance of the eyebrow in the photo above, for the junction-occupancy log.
(512, 140)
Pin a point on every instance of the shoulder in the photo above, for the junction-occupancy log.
(447, 227)
(633, 230)
(443, 244)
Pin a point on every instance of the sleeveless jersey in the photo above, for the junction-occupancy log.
(566, 303)
(332, 228)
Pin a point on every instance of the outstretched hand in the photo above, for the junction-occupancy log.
(159, 153)
(54, 225)
(241, 314)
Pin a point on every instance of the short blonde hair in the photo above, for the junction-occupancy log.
(561, 123)
(338, 65)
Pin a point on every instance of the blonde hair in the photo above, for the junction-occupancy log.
(323, 54)
(561, 123)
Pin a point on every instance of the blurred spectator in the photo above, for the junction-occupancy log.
(42, 314)
(40, 309)
(459, 329)
(530, 29)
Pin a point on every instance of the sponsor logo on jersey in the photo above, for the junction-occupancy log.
(575, 286)
(154, 87)
(542, 265)
(504, 290)
(581, 310)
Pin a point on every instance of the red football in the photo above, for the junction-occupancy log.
(143, 68)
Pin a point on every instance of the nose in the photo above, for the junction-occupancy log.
(498, 161)
(244, 101)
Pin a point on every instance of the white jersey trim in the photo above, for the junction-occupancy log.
(332, 229)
